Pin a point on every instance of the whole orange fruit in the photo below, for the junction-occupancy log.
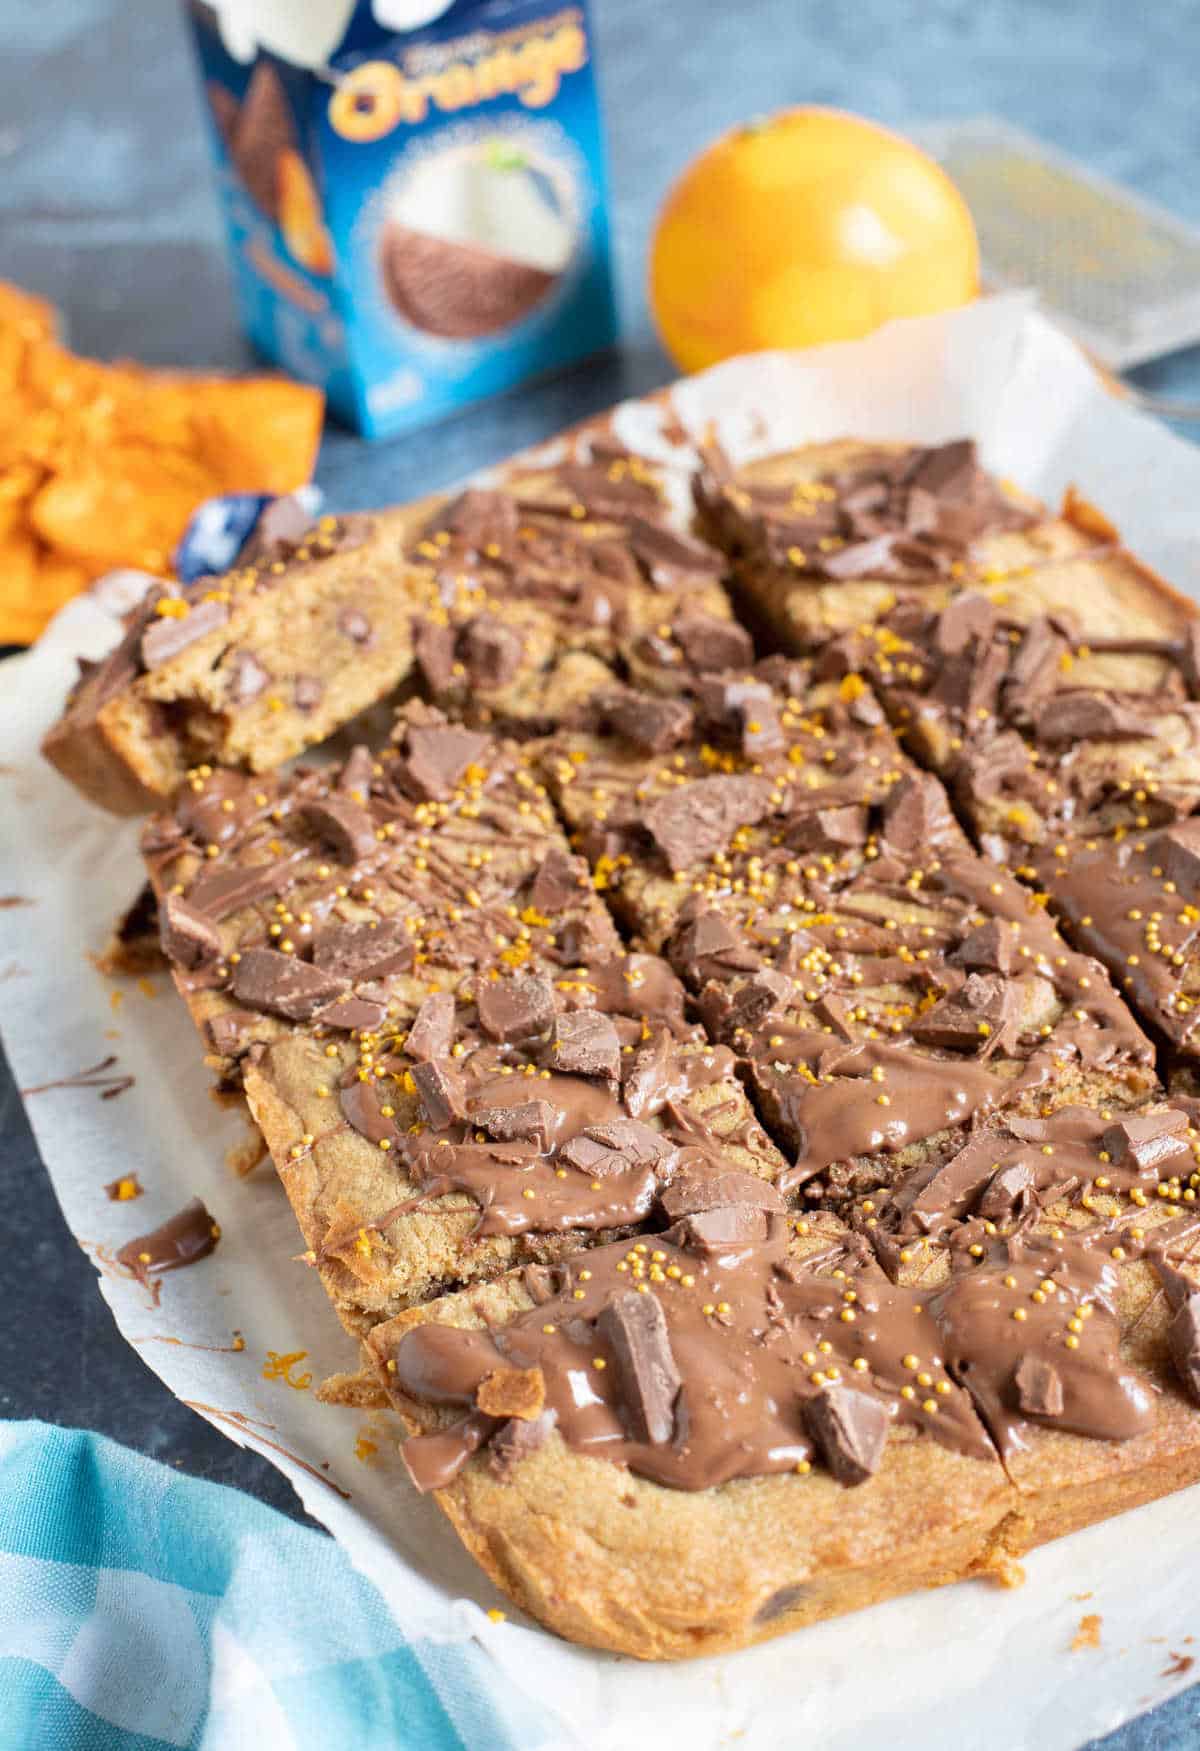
(809, 226)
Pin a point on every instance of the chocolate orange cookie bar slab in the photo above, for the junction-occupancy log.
(682, 1506)
(722, 791)
(832, 540)
(334, 898)
(1078, 767)
(884, 985)
(1043, 731)
(833, 535)
(776, 1430)
(1083, 1231)
(248, 668)
(514, 1127)
(550, 578)
(1133, 901)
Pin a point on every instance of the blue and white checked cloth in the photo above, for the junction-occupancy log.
(141, 1609)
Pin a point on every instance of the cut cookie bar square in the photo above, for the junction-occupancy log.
(1042, 731)
(833, 536)
(548, 581)
(1133, 901)
(1058, 1258)
(509, 1128)
(666, 1424)
(336, 898)
(726, 792)
(249, 668)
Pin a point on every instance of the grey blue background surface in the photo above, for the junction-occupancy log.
(107, 207)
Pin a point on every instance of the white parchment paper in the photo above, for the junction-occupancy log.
(972, 1666)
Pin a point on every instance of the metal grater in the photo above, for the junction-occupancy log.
(1122, 274)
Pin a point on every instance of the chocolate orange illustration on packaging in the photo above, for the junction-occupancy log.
(474, 241)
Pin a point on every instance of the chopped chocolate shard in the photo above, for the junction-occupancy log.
(512, 1392)
(282, 985)
(516, 1440)
(1039, 1388)
(542, 1282)
(1009, 1191)
(247, 677)
(527, 1123)
(357, 772)
(696, 821)
(188, 936)
(357, 1009)
(1183, 1336)
(434, 647)
(432, 1032)
(826, 829)
(614, 1148)
(694, 1189)
(512, 1010)
(831, 1010)
(1181, 856)
(731, 1225)
(346, 827)
(586, 1044)
(279, 531)
(491, 651)
(647, 1088)
(969, 1019)
(850, 1429)
(585, 938)
(745, 706)
(966, 620)
(864, 709)
(652, 724)
(227, 1029)
(916, 815)
(1144, 1141)
(592, 1158)
(948, 471)
(478, 517)
(353, 624)
(1037, 667)
(364, 951)
(439, 755)
(1189, 658)
(1079, 716)
(635, 1327)
(786, 675)
(167, 637)
(759, 999)
(637, 1142)
(710, 644)
(708, 946)
(307, 692)
(558, 882)
(990, 947)
(440, 1092)
(665, 553)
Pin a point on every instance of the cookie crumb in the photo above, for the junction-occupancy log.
(1088, 1634)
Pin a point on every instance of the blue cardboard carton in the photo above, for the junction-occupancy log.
(414, 192)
